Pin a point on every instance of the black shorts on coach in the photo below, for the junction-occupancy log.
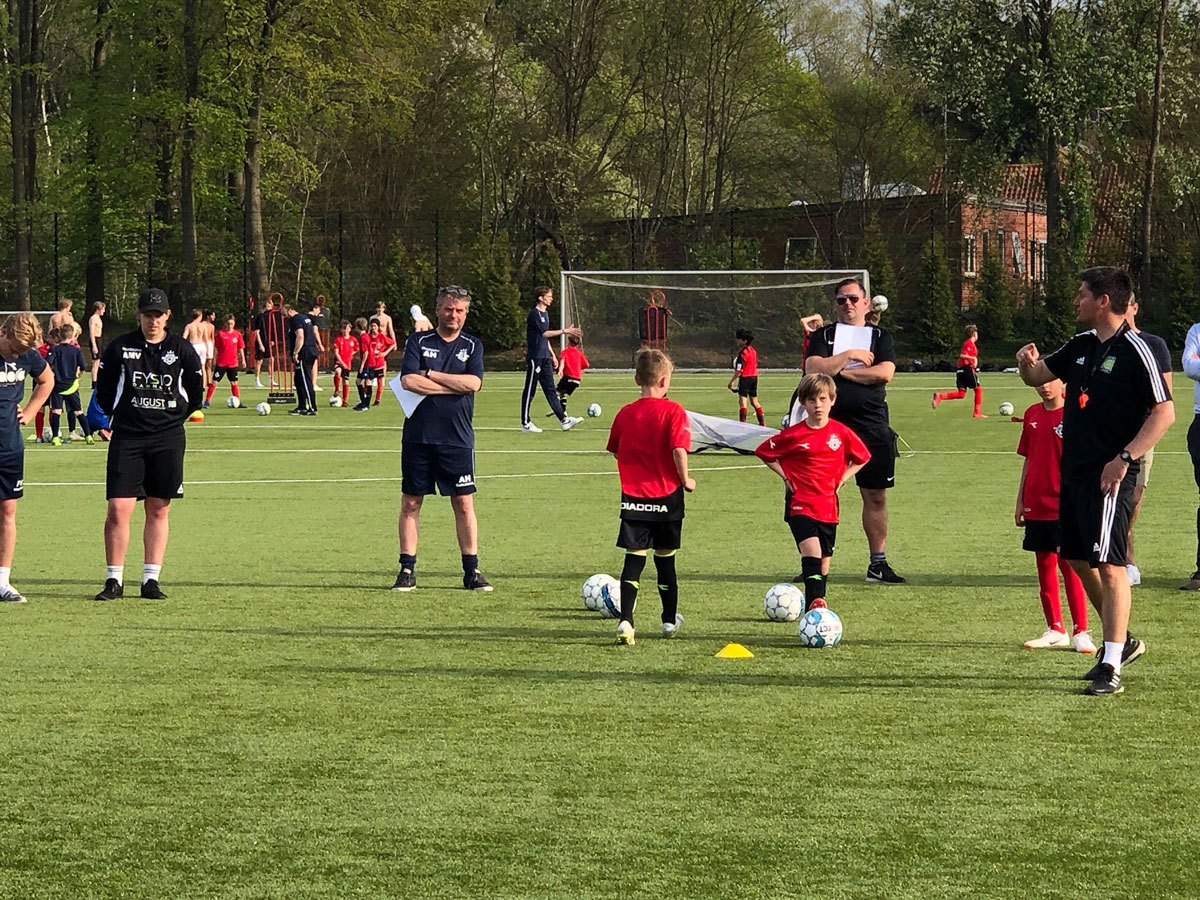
(804, 527)
(146, 467)
(1042, 536)
(1094, 525)
(426, 466)
(880, 471)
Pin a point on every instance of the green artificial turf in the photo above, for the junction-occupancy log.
(285, 727)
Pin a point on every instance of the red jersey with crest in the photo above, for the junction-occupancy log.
(814, 461)
(228, 343)
(375, 350)
(574, 362)
(1041, 445)
(746, 363)
(643, 436)
(344, 348)
(968, 355)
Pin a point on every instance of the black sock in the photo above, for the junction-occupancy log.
(408, 562)
(668, 586)
(1198, 540)
(630, 573)
(71, 420)
(814, 581)
(470, 563)
(55, 419)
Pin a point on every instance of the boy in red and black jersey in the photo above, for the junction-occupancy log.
(345, 346)
(745, 373)
(230, 357)
(572, 362)
(375, 347)
(814, 458)
(650, 439)
(967, 378)
(1037, 512)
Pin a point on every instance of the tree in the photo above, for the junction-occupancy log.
(496, 314)
(935, 319)
(994, 308)
(878, 260)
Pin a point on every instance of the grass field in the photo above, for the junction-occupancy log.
(285, 727)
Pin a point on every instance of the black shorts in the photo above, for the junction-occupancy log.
(66, 402)
(220, 371)
(1094, 525)
(12, 475)
(748, 387)
(97, 351)
(146, 467)
(966, 379)
(343, 371)
(804, 528)
(264, 352)
(567, 385)
(1042, 536)
(369, 374)
(880, 471)
(637, 534)
(451, 469)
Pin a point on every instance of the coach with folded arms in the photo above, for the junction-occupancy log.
(1118, 407)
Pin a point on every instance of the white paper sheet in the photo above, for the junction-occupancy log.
(409, 401)
(851, 337)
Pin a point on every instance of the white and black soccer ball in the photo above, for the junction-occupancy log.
(784, 603)
(233, 402)
(1007, 409)
(47, 433)
(820, 628)
(335, 402)
(592, 591)
(880, 302)
(263, 409)
(594, 410)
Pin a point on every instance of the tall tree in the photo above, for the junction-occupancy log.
(23, 67)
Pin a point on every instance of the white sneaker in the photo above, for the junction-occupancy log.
(1134, 573)
(625, 634)
(1051, 638)
(669, 630)
(1083, 643)
(258, 384)
(530, 428)
(317, 387)
(570, 422)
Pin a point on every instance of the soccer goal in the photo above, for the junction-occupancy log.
(693, 315)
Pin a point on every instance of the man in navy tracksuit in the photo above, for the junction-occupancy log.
(540, 362)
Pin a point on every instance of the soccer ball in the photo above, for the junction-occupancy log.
(197, 416)
(263, 409)
(880, 302)
(233, 402)
(47, 433)
(335, 402)
(593, 591)
(1006, 408)
(784, 603)
(820, 628)
(594, 410)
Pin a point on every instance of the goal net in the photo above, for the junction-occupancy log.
(694, 315)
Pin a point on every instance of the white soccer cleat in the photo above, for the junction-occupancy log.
(570, 422)
(530, 428)
(625, 634)
(669, 629)
(1049, 640)
(1083, 643)
(1134, 573)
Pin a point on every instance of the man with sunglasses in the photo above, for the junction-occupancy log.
(861, 376)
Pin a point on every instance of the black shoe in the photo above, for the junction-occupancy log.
(361, 408)
(476, 582)
(1132, 650)
(151, 591)
(112, 590)
(881, 573)
(296, 412)
(1107, 681)
(799, 579)
(405, 581)
(309, 412)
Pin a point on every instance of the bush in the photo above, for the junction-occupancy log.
(935, 314)
(993, 311)
(496, 313)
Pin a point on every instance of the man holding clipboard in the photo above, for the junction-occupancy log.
(441, 371)
(862, 360)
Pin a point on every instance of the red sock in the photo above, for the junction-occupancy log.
(1047, 569)
(233, 387)
(758, 411)
(978, 400)
(211, 387)
(337, 382)
(39, 421)
(378, 390)
(1077, 601)
(741, 415)
(345, 391)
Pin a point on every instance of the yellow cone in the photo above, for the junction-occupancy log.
(197, 416)
(734, 651)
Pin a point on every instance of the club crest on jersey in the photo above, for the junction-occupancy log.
(169, 357)
(1058, 430)
(1107, 366)
(834, 442)
(1079, 362)
(463, 355)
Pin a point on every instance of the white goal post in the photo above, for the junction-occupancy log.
(694, 314)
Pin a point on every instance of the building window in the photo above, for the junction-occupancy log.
(799, 250)
(986, 236)
(968, 254)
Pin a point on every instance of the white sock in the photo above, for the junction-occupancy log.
(150, 571)
(4, 572)
(117, 572)
(1112, 654)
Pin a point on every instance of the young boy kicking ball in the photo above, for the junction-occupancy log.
(650, 439)
(1037, 512)
(814, 458)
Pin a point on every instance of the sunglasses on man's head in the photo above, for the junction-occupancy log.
(455, 291)
(845, 298)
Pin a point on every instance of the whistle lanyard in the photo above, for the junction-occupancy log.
(1101, 355)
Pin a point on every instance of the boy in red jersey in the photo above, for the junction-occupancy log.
(1037, 512)
(375, 348)
(345, 346)
(571, 365)
(39, 424)
(650, 439)
(745, 373)
(229, 357)
(814, 458)
(967, 377)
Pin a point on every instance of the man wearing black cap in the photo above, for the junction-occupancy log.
(150, 381)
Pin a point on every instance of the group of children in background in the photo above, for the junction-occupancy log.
(61, 351)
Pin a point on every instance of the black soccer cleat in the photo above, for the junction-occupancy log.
(1132, 650)
(882, 573)
(405, 581)
(1107, 681)
(151, 591)
(476, 582)
(112, 590)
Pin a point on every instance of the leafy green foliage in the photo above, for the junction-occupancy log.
(497, 316)
(995, 303)
(934, 314)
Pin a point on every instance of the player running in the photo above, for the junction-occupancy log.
(745, 373)
(571, 364)
(230, 350)
(375, 347)
(967, 378)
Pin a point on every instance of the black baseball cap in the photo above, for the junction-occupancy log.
(153, 300)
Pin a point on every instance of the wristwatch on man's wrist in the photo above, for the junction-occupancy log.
(1125, 456)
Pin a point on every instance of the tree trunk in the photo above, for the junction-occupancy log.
(1144, 270)
(165, 254)
(94, 225)
(22, 18)
(187, 197)
(260, 280)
